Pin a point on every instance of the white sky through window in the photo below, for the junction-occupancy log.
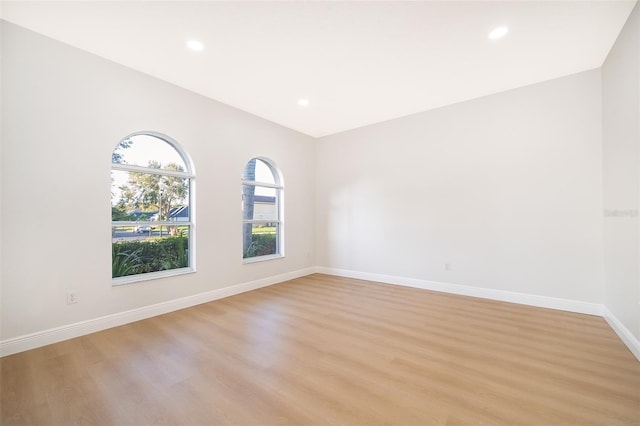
(147, 147)
(264, 175)
(142, 149)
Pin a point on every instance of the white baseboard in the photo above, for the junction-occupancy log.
(505, 296)
(623, 333)
(58, 334)
(464, 290)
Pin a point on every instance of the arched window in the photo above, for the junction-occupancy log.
(262, 189)
(151, 219)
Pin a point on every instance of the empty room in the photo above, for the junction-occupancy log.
(320, 213)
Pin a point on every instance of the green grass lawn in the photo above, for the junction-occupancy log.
(264, 230)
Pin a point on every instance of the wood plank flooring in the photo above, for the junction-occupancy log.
(322, 350)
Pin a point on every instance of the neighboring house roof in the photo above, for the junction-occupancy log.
(138, 213)
(263, 199)
(176, 212)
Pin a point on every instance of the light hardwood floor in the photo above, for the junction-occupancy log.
(333, 351)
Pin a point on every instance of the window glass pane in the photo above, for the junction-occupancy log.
(148, 151)
(258, 171)
(143, 199)
(148, 197)
(260, 239)
(150, 249)
(260, 209)
(259, 203)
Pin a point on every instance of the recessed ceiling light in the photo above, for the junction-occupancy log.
(195, 45)
(498, 33)
(303, 102)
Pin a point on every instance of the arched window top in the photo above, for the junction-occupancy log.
(261, 171)
(152, 151)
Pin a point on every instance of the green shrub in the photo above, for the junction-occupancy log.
(124, 262)
(261, 244)
(139, 257)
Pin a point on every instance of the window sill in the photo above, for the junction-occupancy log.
(257, 259)
(130, 279)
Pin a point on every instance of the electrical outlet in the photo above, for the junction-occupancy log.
(447, 267)
(72, 297)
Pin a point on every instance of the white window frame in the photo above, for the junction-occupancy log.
(279, 187)
(188, 174)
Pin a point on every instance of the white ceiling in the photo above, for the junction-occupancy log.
(356, 62)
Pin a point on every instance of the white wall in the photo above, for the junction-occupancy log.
(506, 188)
(621, 149)
(63, 112)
